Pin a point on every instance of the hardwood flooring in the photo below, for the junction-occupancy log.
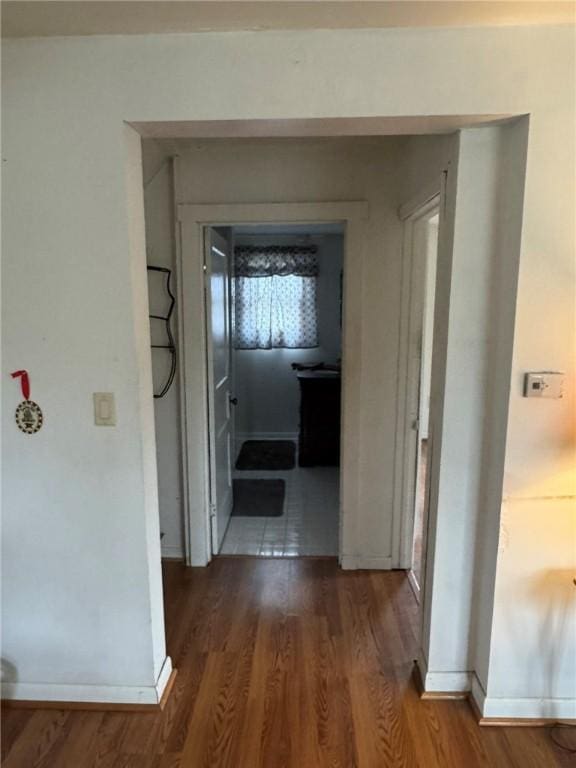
(281, 664)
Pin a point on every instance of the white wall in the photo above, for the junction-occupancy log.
(530, 663)
(65, 245)
(462, 375)
(532, 598)
(265, 384)
(82, 599)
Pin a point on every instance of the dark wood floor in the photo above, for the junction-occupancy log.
(282, 663)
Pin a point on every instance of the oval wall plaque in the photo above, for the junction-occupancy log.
(29, 417)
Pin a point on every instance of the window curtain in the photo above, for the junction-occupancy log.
(275, 297)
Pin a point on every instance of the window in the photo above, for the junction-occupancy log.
(275, 297)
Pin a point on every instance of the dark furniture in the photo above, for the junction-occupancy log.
(319, 441)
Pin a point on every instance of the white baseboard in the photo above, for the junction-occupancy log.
(544, 708)
(198, 562)
(443, 682)
(447, 682)
(163, 678)
(90, 694)
(362, 562)
(530, 709)
(491, 710)
(172, 552)
(477, 693)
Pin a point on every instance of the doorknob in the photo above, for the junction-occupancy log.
(233, 400)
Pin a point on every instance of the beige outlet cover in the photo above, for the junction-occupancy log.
(104, 409)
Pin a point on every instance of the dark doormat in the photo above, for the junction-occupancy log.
(272, 455)
(258, 498)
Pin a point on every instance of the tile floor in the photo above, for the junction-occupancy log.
(309, 525)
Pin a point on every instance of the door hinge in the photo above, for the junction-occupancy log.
(416, 425)
(212, 510)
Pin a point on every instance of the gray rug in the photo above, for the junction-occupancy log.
(258, 498)
(269, 455)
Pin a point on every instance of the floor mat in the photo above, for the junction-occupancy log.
(269, 455)
(258, 498)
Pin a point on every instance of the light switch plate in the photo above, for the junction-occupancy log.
(544, 384)
(104, 409)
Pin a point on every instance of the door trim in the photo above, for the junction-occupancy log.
(192, 348)
(431, 199)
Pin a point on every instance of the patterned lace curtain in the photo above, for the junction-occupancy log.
(275, 297)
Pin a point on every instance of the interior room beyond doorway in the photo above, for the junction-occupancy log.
(286, 372)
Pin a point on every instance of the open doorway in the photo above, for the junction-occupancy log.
(273, 333)
(195, 340)
(366, 527)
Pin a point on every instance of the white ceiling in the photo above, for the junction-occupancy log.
(41, 18)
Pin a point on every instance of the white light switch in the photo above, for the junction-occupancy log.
(544, 384)
(104, 409)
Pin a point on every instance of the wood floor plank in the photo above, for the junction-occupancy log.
(13, 723)
(282, 664)
(38, 740)
(78, 741)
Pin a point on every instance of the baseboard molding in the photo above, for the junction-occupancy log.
(172, 552)
(92, 697)
(477, 696)
(368, 563)
(167, 689)
(528, 712)
(546, 710)
(523, 722)
(442, 685)
(434, 695)
(491, 711)
(165, 680)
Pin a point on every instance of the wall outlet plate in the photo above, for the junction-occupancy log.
(544, 384)
(104, 409)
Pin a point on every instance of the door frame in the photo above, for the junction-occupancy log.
(431, 198)
(191, 220)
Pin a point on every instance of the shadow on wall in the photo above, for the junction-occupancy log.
(555, 592)
(552, 593)
(8, 677)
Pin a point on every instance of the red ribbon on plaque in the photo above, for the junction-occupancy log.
(24, 382)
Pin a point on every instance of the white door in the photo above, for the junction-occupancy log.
(217, 260)
(423, 293)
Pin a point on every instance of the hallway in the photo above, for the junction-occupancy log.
(290, 663)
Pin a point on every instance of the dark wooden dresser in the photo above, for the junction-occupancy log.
(319, 441)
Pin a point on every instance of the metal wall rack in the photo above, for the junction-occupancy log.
(171, 345)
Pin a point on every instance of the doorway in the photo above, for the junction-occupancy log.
(363, 548)
(226, 402)
(275, 491)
